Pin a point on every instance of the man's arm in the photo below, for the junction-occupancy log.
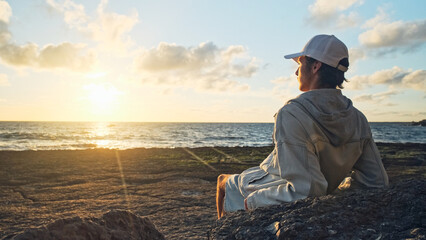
(297, 163)
(369, 170)
(300, 168)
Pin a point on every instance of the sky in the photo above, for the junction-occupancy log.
(199, 60)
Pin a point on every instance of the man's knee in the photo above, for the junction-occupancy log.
(222, 178)
(221, 181)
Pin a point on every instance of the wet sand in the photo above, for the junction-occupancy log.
(175, 188)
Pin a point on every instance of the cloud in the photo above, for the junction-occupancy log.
(403, 115)
(324, 13)
(74, 14)
(4, 80)
(5, 35)
(390, 36)
(171, 56)
(416, 80)
(108, 28)
(394, 77)
(356, 54)
(5, 11)
(376, 97)
(19, 55)
(5, 14)
(346, 21)
(381, 16)
(64, 55)
(285, 87)
(205, 67)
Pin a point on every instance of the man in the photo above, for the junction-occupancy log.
(319, 139)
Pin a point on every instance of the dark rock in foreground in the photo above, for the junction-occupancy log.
(397, 212)
(112, 225)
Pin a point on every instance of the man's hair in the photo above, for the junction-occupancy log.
(329, 76)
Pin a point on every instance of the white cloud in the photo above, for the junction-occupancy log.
(5, 14)
(108, 28)
(5, 35)
(379, 18)
(74, 14)
(285, 88)
(350, 20)
(376, 97)
(4, 81)
(390, 115)
(324, 13)
(5, 11)
(394, 77)
(389, 36)
(416, 80)
(171, 56)
(205, 66)
(65, 55)
(19, 55)
(356, 54)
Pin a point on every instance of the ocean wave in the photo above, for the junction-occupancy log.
(29, 136)
(18, 136)
(223, 138)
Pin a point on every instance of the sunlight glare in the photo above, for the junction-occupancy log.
(102, 97)
(95, 75)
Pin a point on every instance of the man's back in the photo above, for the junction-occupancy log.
(319, 137)
(341, 137)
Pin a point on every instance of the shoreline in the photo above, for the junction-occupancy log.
(174, 187)
(148, 148)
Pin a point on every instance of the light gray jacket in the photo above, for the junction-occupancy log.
(319, 138)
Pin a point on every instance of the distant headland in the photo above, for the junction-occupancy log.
(421, 123)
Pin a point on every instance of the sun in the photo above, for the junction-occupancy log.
(102, 97)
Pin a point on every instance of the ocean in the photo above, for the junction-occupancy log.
(20, 136)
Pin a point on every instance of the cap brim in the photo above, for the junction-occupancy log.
(294, 55)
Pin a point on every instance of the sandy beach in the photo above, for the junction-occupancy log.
(175, 188)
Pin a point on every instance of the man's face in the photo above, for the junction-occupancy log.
(304, 75)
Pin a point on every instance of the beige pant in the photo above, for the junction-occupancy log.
(234, 201)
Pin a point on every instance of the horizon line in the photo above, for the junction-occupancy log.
(59, 121)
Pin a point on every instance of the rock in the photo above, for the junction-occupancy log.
(112, 225)
(273, 227)
(397, 212)
(421, 123)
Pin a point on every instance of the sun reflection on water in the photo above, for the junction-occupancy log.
(100, 134)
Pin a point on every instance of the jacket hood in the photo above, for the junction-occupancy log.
(333, 113)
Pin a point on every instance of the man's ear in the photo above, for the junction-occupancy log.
(316, 66)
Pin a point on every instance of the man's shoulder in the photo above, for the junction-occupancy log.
(288, 108)
(291, 105)
(292, 114)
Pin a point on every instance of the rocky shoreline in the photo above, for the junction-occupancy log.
(394, 213)
(175, 190)
(419, 123)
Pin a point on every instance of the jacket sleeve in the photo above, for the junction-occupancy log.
(369, 170)
(297, 163)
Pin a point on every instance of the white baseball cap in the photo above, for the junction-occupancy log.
(325, 48)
